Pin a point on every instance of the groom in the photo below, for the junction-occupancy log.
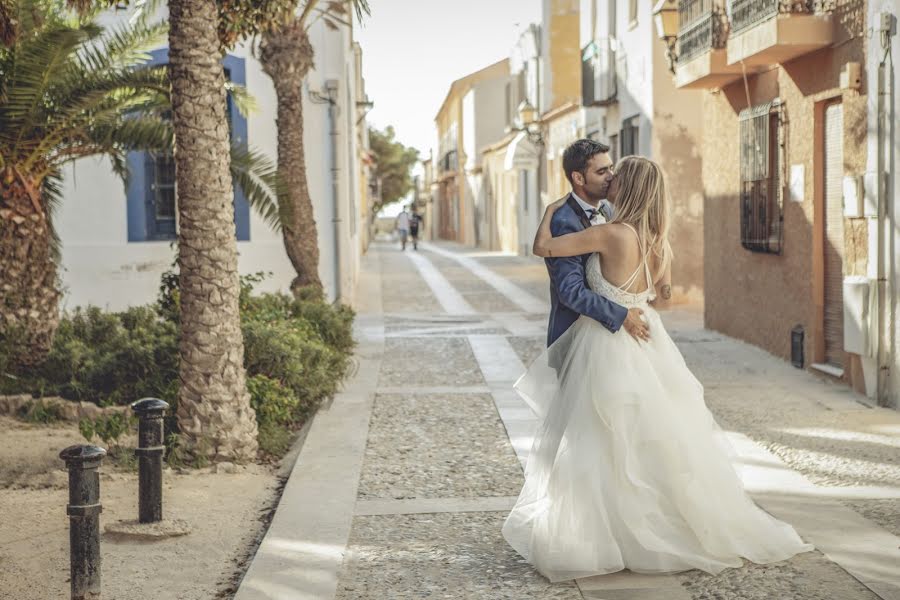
(588, 168)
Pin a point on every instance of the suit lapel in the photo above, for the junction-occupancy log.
(573, 204)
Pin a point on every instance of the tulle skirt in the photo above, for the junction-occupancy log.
(629, 470)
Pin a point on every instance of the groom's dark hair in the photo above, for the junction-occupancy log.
(579, 153)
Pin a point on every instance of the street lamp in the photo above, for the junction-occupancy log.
(665, 16)
(531, 123)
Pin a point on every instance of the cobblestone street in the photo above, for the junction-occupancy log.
(405, 479)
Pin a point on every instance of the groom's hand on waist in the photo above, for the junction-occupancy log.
(635, 325)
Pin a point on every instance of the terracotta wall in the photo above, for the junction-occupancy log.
(760, 297)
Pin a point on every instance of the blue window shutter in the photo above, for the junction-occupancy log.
(139, 191)
(139, 188)
(237, 73)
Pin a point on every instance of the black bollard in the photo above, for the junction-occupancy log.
(84, 509)
(150, 451)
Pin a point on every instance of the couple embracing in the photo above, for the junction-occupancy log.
(628, 469)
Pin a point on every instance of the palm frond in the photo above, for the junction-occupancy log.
(243, 100)
(51, 198)
(257, 176)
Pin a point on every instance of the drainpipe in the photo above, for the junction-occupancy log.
(330, 97)
(885, 212)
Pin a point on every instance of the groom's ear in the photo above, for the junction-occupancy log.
(577, 177)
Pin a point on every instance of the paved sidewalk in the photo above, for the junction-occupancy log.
(405, 479)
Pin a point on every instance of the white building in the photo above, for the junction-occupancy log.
(883, 53)
(117, 240)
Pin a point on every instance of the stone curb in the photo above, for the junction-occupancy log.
(68, 410)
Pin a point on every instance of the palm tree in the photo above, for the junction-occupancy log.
(69, 89)
(214, 411)
(287, 57)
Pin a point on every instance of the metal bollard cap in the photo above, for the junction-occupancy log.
(149, 407)
(82, 453)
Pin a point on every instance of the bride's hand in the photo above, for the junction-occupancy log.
(554, 206)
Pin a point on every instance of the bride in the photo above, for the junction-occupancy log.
(628, 469)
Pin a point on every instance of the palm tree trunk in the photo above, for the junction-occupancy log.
(29, 292)
(214, 409)
(287, 56)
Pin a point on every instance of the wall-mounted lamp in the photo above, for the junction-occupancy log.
(665, 17)
(530, 123)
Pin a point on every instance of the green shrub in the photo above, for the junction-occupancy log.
(108, 428)
(111, 358)
(296, 351)
(272, 401)
(39, 411)
(291, 353)
(274, 439)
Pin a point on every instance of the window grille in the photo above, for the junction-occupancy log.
(762, 215)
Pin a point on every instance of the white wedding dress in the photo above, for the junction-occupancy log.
(628, 469)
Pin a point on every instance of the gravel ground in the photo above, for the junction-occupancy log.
(429, 362)
(438, 446)
(808, 576)
(455, 556)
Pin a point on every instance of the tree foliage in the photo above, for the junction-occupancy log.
(238, 19)
(393, 165)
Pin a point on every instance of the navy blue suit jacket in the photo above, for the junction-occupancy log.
(570, 295)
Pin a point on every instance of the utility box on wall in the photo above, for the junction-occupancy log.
(856, 315)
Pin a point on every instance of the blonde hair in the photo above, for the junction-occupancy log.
(642, 201)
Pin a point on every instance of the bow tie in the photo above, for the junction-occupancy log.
(593, 212)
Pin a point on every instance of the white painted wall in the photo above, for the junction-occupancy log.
(100, 267)
(874, 53)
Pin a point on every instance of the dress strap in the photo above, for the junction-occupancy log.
(644, 264)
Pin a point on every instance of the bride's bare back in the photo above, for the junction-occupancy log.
(622, 262)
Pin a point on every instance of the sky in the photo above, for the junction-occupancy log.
(414, 49)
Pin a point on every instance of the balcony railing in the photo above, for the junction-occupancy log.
(747, 13)
(690, 11)
(703, 34)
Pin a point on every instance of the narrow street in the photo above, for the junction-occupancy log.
(404, 480)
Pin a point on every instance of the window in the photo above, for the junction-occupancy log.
(614, 148)
(151, 190)
(160, 168)
(629, 136)
(762, 217)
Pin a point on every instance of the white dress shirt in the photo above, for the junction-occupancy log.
(598, 218)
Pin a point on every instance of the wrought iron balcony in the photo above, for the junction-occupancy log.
(766, 32)
(704, 33)
(747, 13)
(690, 11)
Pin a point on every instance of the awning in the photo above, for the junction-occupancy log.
(521, 154)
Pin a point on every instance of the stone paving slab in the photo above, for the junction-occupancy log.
(434, 505)
(429, 361)
(528, 348)
(454, 556)
(479, 294)
(437, 446)
(402, 290)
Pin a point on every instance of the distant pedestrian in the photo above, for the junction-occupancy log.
(402, 227)
(415, 221)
